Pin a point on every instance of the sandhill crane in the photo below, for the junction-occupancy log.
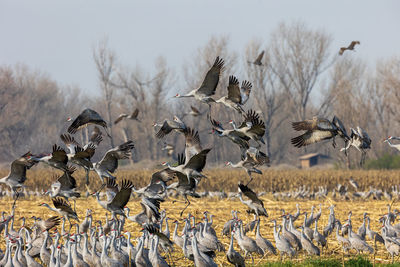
(254, 203)
(168, 126)
(228, 226)
(65, 185)
(151, 208)
(250, 226)
(341, 239)
(237, 96)
(318, 129)
(308, 245)
(258, 59)
(396, 146)
(193, 112)
(252, 159)
(209, 85)
(357, 243)
(185, 188)
(350, 47)
(81, 156)
(154, 255)
(17, 175)
(193, 167)
(132, 116)
(57, 159)
(252, 126)
(392, 244)
(192, 143)
(264, 243)
(62, 207)
(118, 202)
(87, 116)
(291, 237)
(233, 256)
(109, 163)
(319, 238)
(235, 136)
(282, 244)
(157, 185)
(201, 259)
(354, 183)
(360, 140)
(372, 234)
(46, 225)
(247, 244)
(169, 148)
(209, 240)
(162, 237)
(362, 230)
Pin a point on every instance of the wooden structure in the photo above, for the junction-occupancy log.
(309, 160)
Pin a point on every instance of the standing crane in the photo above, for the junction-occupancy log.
(233, 256)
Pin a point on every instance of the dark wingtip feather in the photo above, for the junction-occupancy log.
(298, 141)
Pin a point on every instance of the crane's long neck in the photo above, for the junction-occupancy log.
(258, 228)
(175, 231)
(231, 244)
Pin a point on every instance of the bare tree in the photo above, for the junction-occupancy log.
(298, 57)
(105, 61)
(267, 94)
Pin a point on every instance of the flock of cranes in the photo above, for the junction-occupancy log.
(199, 242)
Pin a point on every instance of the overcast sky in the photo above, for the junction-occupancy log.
(57, 37)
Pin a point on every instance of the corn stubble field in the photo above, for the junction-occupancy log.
(271, 180)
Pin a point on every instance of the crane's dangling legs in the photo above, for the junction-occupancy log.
(16, 194)
(251, 179)
(188, 203)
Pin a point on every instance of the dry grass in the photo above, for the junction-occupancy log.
(227, 179)
(222, 208)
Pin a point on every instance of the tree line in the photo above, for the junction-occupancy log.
(302, 76)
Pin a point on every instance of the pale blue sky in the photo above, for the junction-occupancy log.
(57, 37)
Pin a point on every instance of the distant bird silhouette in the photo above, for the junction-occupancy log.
(168, 126)
(258, 59)
(133, 116)
(350, 47)
(195, 112)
